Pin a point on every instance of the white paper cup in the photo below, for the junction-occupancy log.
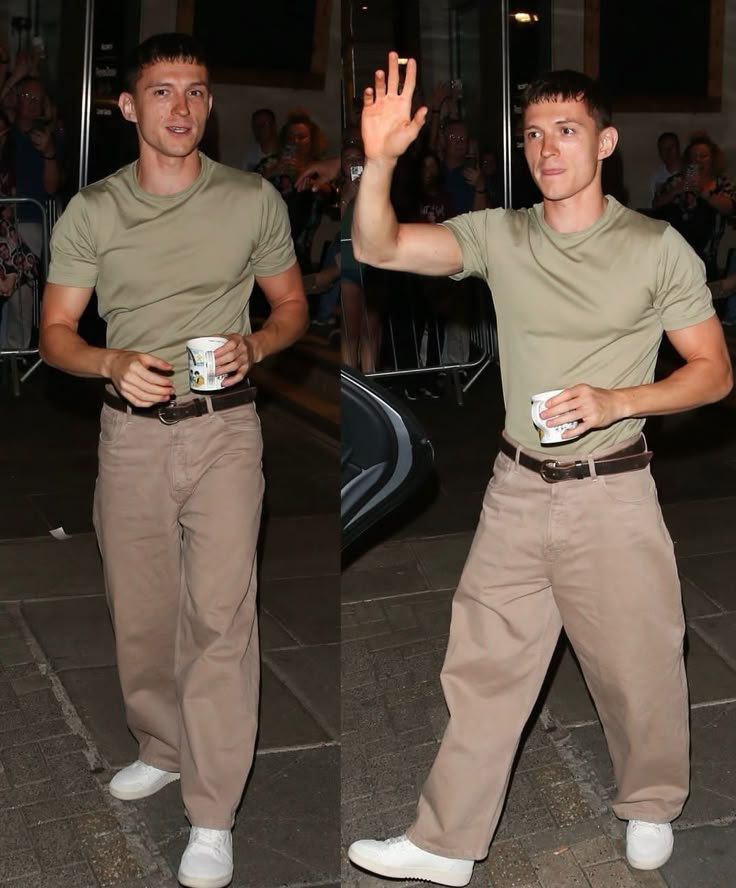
(201, 353)
(549, 434)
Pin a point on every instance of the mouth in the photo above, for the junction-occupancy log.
(179, 130)
(552, 172)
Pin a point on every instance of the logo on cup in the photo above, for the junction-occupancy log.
(201, 352)
(549, 434)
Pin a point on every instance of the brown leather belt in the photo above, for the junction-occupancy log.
(629, 459)
(172, 412)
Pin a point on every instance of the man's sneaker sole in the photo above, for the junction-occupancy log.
(130, 795)
(417, 873)
(204, 882)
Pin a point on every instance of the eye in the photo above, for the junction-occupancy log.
(197, 93)
(532, 134)
(160, 92)
(568, 130)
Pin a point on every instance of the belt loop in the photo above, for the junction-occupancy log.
(517, 457)
(208, 402)
(129, 409)
(646, 446)
(591, 466)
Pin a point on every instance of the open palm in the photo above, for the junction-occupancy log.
(387, 126)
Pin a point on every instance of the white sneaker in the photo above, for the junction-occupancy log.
(648, 845)
(399, 858)
(208, 859)
(140, 780)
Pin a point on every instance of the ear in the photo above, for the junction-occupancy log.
(607, 141)
(126, 103)
(209, 109)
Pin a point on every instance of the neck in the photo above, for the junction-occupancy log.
(166, 175)
(269, 146)
(575, 213)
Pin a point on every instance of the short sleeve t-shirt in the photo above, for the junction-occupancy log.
(583, 307)
(171, 268)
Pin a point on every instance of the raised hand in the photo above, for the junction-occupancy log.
(387, 125)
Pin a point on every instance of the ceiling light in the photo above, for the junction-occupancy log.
(525, 18)
(403, 61)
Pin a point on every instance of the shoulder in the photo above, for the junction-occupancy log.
(636, 223)
(237, 181)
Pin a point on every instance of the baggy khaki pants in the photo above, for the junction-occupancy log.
(593, 556)
(177, 513)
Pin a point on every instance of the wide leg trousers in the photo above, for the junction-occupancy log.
(177, 514)
(593, 556)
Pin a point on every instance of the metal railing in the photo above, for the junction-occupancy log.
(408, 320)
(10, 358)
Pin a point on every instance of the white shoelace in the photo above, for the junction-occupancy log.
(642, 826)
(213, 839)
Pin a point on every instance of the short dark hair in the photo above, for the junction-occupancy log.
(260, 111)
(662, 136)
(171, 47)
(570, 86)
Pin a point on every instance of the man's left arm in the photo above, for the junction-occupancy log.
(287, 322)
(705, 377)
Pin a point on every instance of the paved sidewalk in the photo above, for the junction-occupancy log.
(557, 830)
(62, 725)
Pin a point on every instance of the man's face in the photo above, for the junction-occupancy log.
(563, 147)
(170, 106)
(456, 143)
(264, 128)
(669, 151)
(31, 98)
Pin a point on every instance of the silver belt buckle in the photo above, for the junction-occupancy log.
(164, 419)
(548, 465)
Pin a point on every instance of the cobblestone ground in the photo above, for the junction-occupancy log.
(58, 829)
(555, 832)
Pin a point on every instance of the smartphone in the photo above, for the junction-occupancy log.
(356, 172)
(470, 162)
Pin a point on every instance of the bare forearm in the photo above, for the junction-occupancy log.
(63, 348)
(375, 226)
(286, 323)
(699, 382)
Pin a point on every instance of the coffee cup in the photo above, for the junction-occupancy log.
(201, 353)
(549, 434)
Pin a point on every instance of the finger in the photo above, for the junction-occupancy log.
(393, 73)
(410, 78)
(380, 85)
(153, 361)
(420, 118)
(368, 96)
(236, 377)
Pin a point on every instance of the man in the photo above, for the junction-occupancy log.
(172, 244)
(668, 148)
(266, 138)
(465, 182)
(583, 289)
(38, 175)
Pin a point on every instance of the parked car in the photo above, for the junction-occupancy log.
(385, 454)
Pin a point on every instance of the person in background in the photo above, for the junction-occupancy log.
(265, 139)
(38, 151)
(301, 142)
(668, 148)
(699, 199)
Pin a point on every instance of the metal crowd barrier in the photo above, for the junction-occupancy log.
(399, 326)
(10, 358)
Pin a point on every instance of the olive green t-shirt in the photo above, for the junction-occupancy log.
(171, 268)
(583, 307)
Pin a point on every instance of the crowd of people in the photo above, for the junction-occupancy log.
(31, 155)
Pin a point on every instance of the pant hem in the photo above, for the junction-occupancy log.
(434, 848)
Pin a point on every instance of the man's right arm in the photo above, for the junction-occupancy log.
(378, 239)
(132, 373)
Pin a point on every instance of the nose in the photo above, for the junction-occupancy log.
(549, 146)
(181, 105)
